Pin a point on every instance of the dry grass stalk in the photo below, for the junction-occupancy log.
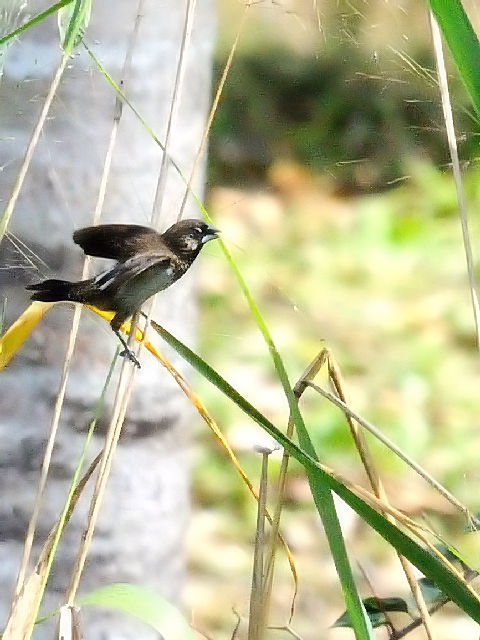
(214, 107)
(375, 431)
(60, 396)
(257, 601)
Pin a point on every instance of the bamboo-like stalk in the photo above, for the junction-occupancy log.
(4, 222)
(60, 396)
(122, 393)
(308, 375)
(25, 607)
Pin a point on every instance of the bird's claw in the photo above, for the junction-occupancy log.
(128, 353)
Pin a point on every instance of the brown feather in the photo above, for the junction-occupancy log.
(114, 241)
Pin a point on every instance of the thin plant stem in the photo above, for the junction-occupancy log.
(214, 108)
(106, 461)
(24, 610)
(124, 391)
(112, 140)
(393, 447)
(47, 456)
(379, 490)
(17, 187)
(60, 396)
(255, 626)
(162, 176)
(175, 101)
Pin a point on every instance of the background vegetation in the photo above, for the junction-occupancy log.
(330, 175)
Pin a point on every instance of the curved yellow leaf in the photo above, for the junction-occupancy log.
(19, 331)
(15, 336)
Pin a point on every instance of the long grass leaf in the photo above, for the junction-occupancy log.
(424, 560)
(457, 174)
(38, 18)
(462, 42)
(73, 22)
(348, 584)
(145, 605)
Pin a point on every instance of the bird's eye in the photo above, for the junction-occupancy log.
(191, 241)
(198, 230)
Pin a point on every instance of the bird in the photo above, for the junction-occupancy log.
(146, 262)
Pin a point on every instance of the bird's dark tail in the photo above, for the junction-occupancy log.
(56, 290)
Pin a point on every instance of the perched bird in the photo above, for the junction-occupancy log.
(147, 262)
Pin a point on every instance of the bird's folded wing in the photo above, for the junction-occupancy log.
(123, 272)
(114, 241)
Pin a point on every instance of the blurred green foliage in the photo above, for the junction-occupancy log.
(380, 279)
(342, 214)
(342, 114)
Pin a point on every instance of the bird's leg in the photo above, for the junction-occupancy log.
(127, 352)
(116, 323)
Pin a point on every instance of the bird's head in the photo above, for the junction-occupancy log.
(187, 237)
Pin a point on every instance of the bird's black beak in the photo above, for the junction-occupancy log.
(210, 234)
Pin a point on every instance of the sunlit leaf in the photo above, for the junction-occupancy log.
(72, 23)
(146, 605)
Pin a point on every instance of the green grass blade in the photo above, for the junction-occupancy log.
(323, 499)
(462, 42)
(73, 22)
(430, 565)
(38, 18)
(124, 100)
(145, 605)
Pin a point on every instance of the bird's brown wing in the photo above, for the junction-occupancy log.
(114, 241)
